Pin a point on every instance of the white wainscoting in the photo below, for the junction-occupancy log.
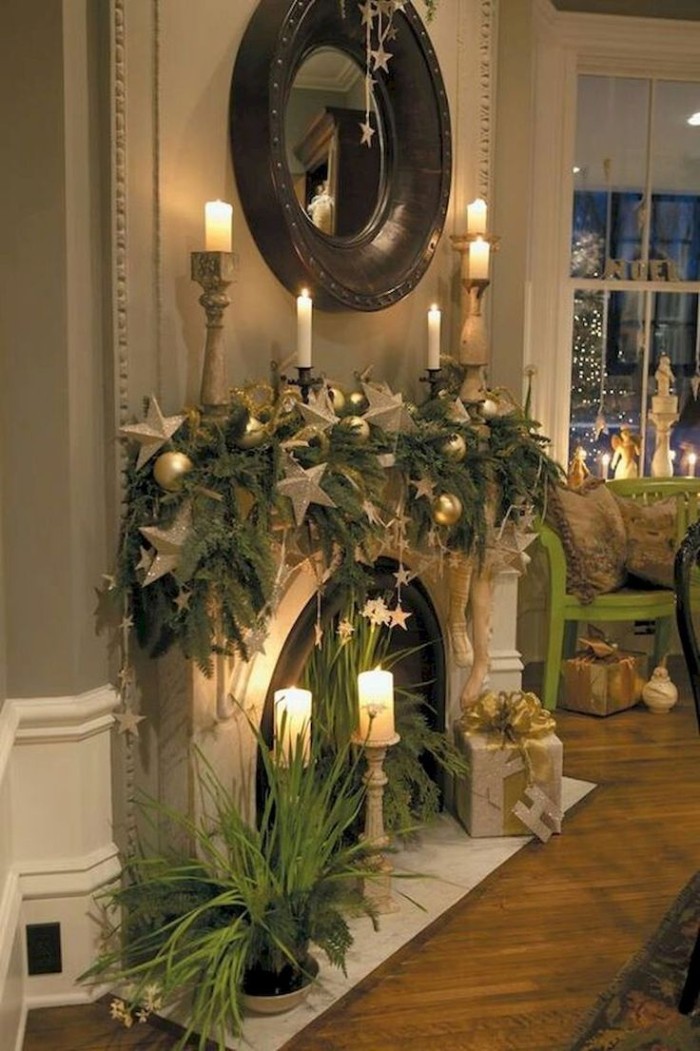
(56, 844)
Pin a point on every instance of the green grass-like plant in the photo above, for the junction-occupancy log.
(240, 911)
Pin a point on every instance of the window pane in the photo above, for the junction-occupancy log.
(606, 372)
(609, 172)
(674, 333)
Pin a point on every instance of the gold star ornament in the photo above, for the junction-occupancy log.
(302, 486)
(153, 433)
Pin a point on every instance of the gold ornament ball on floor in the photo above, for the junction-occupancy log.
(455, 448)
(169, 470)
(253, 434)
(357, 427)
(447, 509)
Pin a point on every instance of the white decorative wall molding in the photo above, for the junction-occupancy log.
(57, 847)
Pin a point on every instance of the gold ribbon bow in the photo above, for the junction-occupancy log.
(513, 718)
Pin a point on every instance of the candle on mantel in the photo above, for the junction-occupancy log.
(304, 307)
(434, 317)
(476, 217)
(217, 226)
(479, 259)
(692, 460)
(376, 694)
(293, 721)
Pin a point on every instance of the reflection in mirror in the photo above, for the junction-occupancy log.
(337, 179)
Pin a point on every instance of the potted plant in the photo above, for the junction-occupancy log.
(201, 929)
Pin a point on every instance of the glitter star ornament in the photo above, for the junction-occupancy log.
(387, 410)
(167, 543)
(424, 487)
(302, 486)
(128, 722)
(319, 412)
(398, 618)
(153, 433)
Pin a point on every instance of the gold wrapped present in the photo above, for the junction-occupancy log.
(515, 758)
(602, 679)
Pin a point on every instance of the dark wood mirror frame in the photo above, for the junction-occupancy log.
(386, 260)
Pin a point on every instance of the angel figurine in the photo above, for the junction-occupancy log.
(577, 472)
(626, 449)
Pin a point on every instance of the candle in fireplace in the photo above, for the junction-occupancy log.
(293, 721)
(376, 697)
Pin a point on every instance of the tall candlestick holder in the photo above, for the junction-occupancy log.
(378, 887)
(214, 271)
(435, 379)
(473, 344)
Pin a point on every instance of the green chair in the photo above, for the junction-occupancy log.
(565, 611)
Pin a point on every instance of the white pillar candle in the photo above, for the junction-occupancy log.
(692, 460)
(479, 259)
(376, 695)
(293, 721)
(304, 307)
(217, 226)
(434, 317)
(476, 217)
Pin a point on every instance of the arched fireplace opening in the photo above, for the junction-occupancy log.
(422, 668)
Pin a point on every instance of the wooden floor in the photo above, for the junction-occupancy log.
(517, 962)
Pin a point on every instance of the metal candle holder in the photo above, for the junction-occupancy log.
(214, 271)
(435, 379)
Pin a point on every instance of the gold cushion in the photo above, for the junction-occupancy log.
(592, 531)
(651, 539)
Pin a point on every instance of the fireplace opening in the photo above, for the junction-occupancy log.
(422, 669)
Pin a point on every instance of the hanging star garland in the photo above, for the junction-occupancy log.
(302, 486)
(128, 722)
(398, 617)
(153, 433)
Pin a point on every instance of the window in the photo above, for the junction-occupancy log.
(635, 265)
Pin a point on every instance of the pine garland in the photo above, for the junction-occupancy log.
(222, 585)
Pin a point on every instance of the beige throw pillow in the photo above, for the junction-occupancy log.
(651, 539)
(593, 535)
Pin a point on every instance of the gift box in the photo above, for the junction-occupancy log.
(602, 679)
(515, 758)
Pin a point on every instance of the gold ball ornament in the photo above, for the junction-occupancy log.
(253, 434)
(357, 401)
(455, 448)
(489, 409)
(357, 427)
(317, 439)
(337, 398)
(170, 469)
(447, 509)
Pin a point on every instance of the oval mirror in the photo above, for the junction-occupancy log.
(337, 180)
(355, 222)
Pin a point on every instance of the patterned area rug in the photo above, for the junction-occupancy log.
(639, 1012)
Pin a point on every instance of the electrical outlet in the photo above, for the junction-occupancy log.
(44, 948)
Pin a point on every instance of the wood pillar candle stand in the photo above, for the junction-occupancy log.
(214, 271)
(378, 887)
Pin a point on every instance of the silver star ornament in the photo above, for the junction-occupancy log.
(167, 543)
(302, 486)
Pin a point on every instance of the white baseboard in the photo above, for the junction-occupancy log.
(56, 845)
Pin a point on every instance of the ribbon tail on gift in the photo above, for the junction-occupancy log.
(541, 815)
